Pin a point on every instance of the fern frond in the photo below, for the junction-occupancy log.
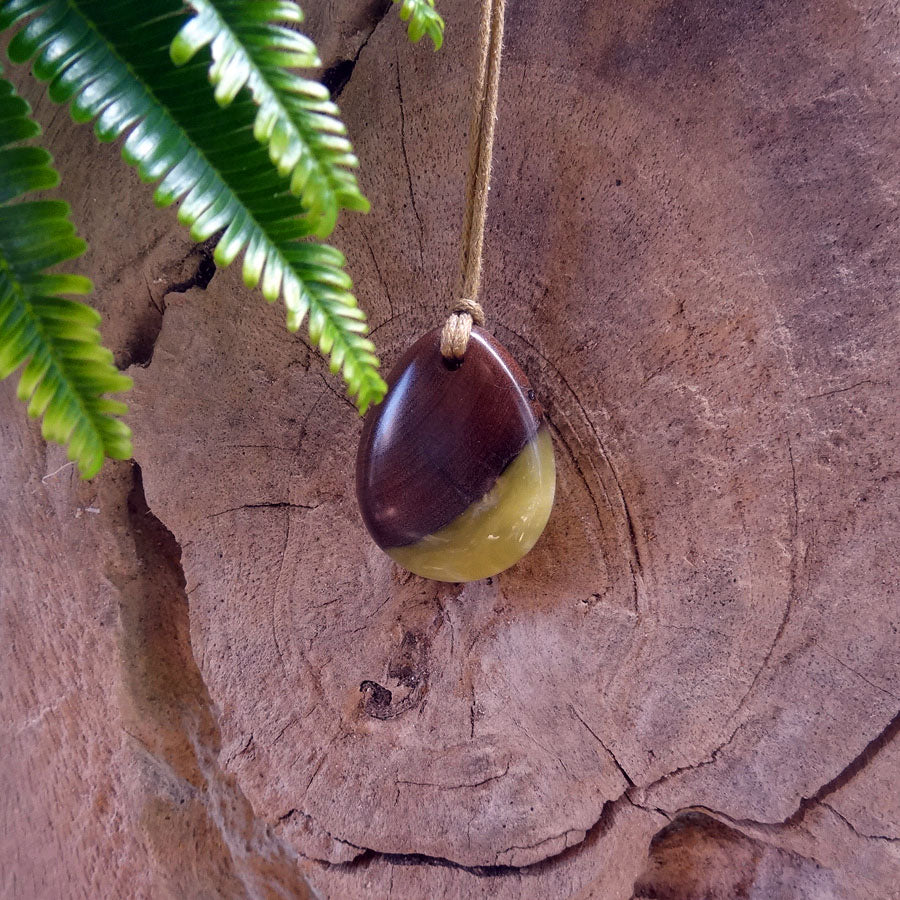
(251, 47)
(423, 19)
(67, 371)
(109, 61)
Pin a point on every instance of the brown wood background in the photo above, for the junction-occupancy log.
(690, 689)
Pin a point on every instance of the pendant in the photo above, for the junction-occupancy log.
(455, 474)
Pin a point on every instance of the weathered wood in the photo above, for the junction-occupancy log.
(691, 253)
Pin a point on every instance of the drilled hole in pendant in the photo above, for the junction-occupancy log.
(451, 365)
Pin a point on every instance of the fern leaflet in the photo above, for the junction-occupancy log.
(109, 61)
(423, 19)
(66, 370)
(251, 47)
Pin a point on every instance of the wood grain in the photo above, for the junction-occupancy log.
(691, 251)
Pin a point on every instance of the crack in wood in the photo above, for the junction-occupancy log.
(856, 831)
(853, 768)
(412, 194)
(384, 286)
(337, 75)
(275, 504)
(143, 344)
(596, 737)
(173, 723)
(792, 586)
(454, 787)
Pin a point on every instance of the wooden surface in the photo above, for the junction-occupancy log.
(692, 253)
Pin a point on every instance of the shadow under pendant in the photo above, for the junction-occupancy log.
(455, 474)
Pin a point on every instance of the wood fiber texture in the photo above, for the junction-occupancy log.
(689, 689)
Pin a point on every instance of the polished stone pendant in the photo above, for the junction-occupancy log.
(455, 473)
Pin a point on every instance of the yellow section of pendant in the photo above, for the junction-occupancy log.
(496, 531)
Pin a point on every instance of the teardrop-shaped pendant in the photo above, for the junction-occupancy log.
(455, 473)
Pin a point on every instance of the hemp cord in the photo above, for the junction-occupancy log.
(467, 310)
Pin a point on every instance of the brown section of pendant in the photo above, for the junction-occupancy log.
(441, 438)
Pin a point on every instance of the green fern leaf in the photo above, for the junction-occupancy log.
(295, 118)
(423, 19)
(67, 371)
(109, 60)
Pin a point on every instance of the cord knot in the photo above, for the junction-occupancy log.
(458, 327)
